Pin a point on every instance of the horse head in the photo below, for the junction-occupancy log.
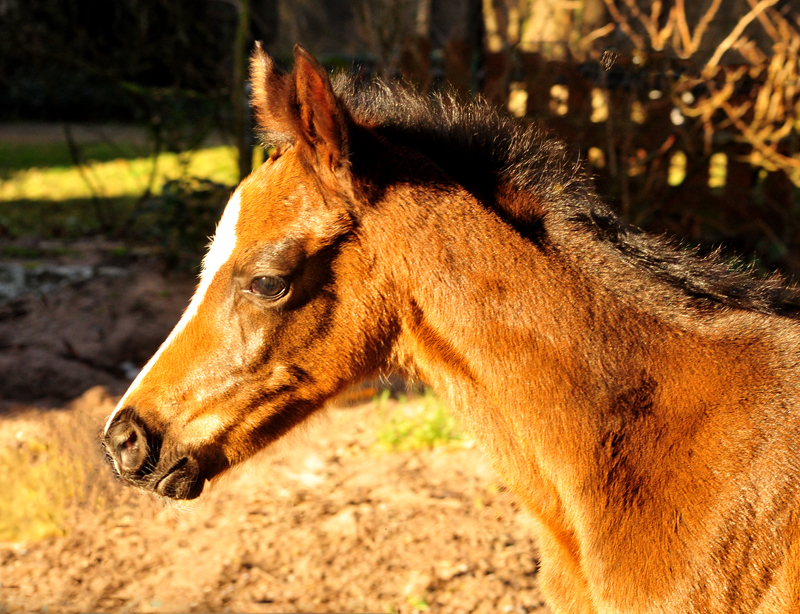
(271, 332)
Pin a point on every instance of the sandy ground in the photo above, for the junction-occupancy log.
(326, 522)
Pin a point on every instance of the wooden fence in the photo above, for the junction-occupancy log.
(661, 170)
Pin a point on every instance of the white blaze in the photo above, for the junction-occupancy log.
(221, 249)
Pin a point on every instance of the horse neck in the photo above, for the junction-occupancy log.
(485, 309)
(602, 399)
(527, 343)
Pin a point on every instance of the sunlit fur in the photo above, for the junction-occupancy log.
(641, 401)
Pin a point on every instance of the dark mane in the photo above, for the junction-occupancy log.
(485, 151)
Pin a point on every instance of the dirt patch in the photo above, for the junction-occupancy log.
(98, 330)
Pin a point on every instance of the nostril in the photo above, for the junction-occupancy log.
(182, 480)
(129, 452)
(128, 444)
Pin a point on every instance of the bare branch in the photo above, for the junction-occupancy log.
(650, 23)
(683, 27)
(750, 51)
(768, 151)
(599, 33)
(83, 171)
(766, 22)
(735, 34)
(700, 30)
(623, 24)
(765, 114)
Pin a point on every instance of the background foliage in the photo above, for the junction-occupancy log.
(686, 113)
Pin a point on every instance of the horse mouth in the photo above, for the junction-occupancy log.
(181, 481)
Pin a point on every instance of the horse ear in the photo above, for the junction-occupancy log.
(270, 99)
(321, 121)
(299, 109)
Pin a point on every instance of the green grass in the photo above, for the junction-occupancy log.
(29, 253)
(117, 178)
(418, 602)
(417, 423)
(59, 219)
(21, 156)
(54, 200)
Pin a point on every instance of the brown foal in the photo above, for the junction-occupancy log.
(641, 400)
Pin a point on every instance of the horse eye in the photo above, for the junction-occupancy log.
(269, 287)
